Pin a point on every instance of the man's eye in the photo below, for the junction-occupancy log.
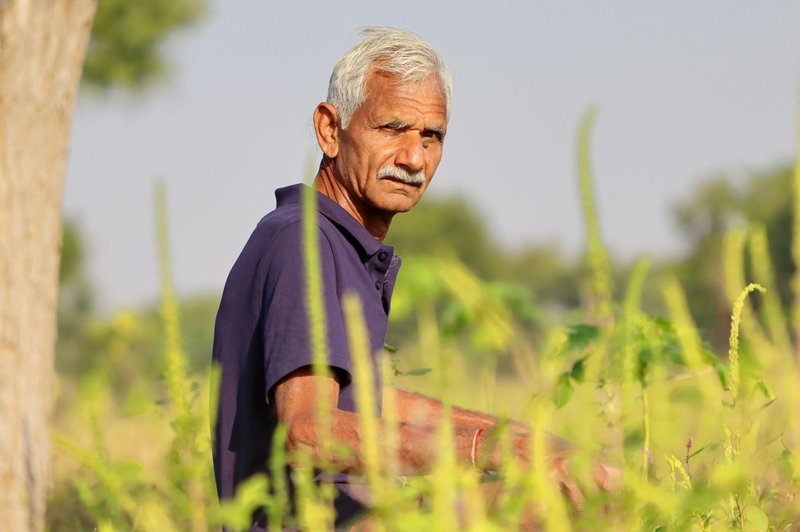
(432, 135)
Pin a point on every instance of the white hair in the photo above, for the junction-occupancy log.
(396, 52)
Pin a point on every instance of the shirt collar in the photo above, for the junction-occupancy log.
(331, 210)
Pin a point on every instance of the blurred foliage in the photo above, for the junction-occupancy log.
(452, 227)
(128, 342)
(488, 319)
(718, 205)
(454, 230)
(537, 285)
(73, 253)
(706, 441)
(126, 46)
(75, 299)
(447, 227)
(133, 366)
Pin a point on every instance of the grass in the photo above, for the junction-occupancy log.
(705, 442)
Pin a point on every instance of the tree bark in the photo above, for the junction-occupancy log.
(42, 46)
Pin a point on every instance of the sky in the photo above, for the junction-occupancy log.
(685, 90)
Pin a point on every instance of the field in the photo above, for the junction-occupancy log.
(704, 440)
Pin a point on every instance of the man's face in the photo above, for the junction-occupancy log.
(399, 125)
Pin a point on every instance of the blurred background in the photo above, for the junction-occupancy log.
(696, 134)
(685, 93)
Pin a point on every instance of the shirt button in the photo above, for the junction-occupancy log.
(382, 256)
(377, 285)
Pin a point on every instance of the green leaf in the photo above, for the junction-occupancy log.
(762, 387)
(710, 447)
(690, 395)
(126, 471)
(563, 390)
(390, 348)
(578, 369)
(237, 512)
(580, 335)
(127, 45)
(633, 439)
(722, 369)
(756, 519)
(417, 372)
(765, 405)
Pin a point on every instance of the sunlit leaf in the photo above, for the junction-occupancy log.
(633, 439)
(580, 335)
(756, 519)
(709, 447)
(578, 369)
(766, 405)
(563, 390)
(688, 395)
(762, 387)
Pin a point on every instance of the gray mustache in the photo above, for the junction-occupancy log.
(417, 178)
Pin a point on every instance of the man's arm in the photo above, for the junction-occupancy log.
(420, 409)
(417, 408)
(295, 397)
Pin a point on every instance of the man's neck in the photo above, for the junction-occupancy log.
(377, 223)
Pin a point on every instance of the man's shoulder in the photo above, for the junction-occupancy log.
(280, 219)
(273, 248)
(287, 221)
(281, 230)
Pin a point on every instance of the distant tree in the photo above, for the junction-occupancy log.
(767, 200)
(715, 207)
(125, 49)
(453, 228)
(42, 49)
(544, 270)
(126, 348)
(447, 226)
(708, 214)
(704, 219)
(75, 302)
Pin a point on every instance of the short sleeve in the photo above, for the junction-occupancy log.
(285, 326)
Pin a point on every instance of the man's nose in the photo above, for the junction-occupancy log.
(411, 154)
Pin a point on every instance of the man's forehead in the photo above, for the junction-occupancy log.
(386, 90)
(380, 78)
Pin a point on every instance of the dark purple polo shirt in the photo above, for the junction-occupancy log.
(262, 334)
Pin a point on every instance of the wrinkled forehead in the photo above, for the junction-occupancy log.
(382, 85)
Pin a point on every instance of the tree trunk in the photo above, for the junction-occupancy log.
(42, 46)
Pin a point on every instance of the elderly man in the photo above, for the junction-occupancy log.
(381, 131)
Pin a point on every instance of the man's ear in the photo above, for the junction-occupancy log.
(326, 127)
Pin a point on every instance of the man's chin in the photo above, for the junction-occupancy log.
(396, 197)
(401, 204)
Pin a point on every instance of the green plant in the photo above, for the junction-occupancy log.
(705, 442)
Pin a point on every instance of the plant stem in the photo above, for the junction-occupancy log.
(646, 444)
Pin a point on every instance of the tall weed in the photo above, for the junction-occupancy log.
(704, 442)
